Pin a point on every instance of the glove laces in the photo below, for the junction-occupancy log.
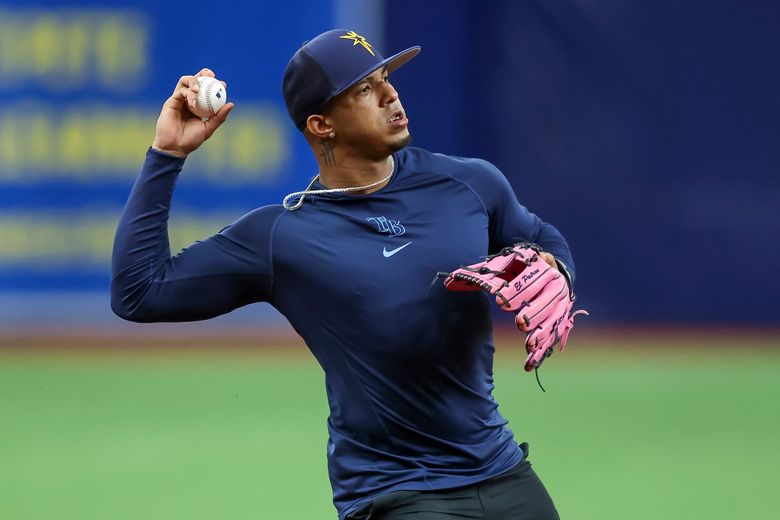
(289, 205)
(536, 371)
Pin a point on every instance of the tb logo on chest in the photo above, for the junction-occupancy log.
(389, 226)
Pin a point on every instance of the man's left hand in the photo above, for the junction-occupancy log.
(537, 292)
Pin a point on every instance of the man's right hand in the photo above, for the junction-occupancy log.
(179, 131)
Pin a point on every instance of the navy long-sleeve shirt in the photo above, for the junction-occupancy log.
(408, 367)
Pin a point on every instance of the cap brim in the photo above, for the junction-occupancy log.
(397, 60)
(393, 63)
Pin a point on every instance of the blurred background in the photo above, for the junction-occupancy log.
(647, 132)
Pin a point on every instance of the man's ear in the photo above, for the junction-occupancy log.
(318, 126)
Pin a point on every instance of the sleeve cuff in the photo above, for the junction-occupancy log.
(563, 269)
(164, 155)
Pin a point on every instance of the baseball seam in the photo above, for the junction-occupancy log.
(208, 98)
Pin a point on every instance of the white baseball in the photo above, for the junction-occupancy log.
(211, 96)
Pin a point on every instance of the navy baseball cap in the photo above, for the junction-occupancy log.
(327, 66)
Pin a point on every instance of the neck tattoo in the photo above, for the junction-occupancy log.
(287, 202)
(328, 157)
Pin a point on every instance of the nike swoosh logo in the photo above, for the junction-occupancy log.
(388, 254)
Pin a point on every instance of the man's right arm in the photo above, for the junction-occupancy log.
(209, 278)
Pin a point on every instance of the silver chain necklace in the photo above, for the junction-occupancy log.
(308, 191)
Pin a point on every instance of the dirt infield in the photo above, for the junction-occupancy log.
(201, 337)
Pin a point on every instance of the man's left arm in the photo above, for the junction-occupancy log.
(511, 222)
(539, 297)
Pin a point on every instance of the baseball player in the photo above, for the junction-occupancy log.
(414, 431)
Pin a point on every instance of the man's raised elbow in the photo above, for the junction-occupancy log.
(125, 312)
(135, 313)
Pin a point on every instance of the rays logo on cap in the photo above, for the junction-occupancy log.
(357, 39)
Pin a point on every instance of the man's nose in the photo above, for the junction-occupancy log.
(390, 95)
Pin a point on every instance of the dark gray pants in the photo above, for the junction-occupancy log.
(517, 494)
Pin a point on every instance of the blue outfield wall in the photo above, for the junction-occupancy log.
(82, 84)
(647, 132)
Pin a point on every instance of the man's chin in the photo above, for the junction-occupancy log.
(401, 143)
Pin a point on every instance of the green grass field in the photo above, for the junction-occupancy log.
(176, 434)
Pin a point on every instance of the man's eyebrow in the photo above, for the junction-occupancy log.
(369, 79)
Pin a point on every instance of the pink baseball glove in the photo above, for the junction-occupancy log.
(525, 284)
